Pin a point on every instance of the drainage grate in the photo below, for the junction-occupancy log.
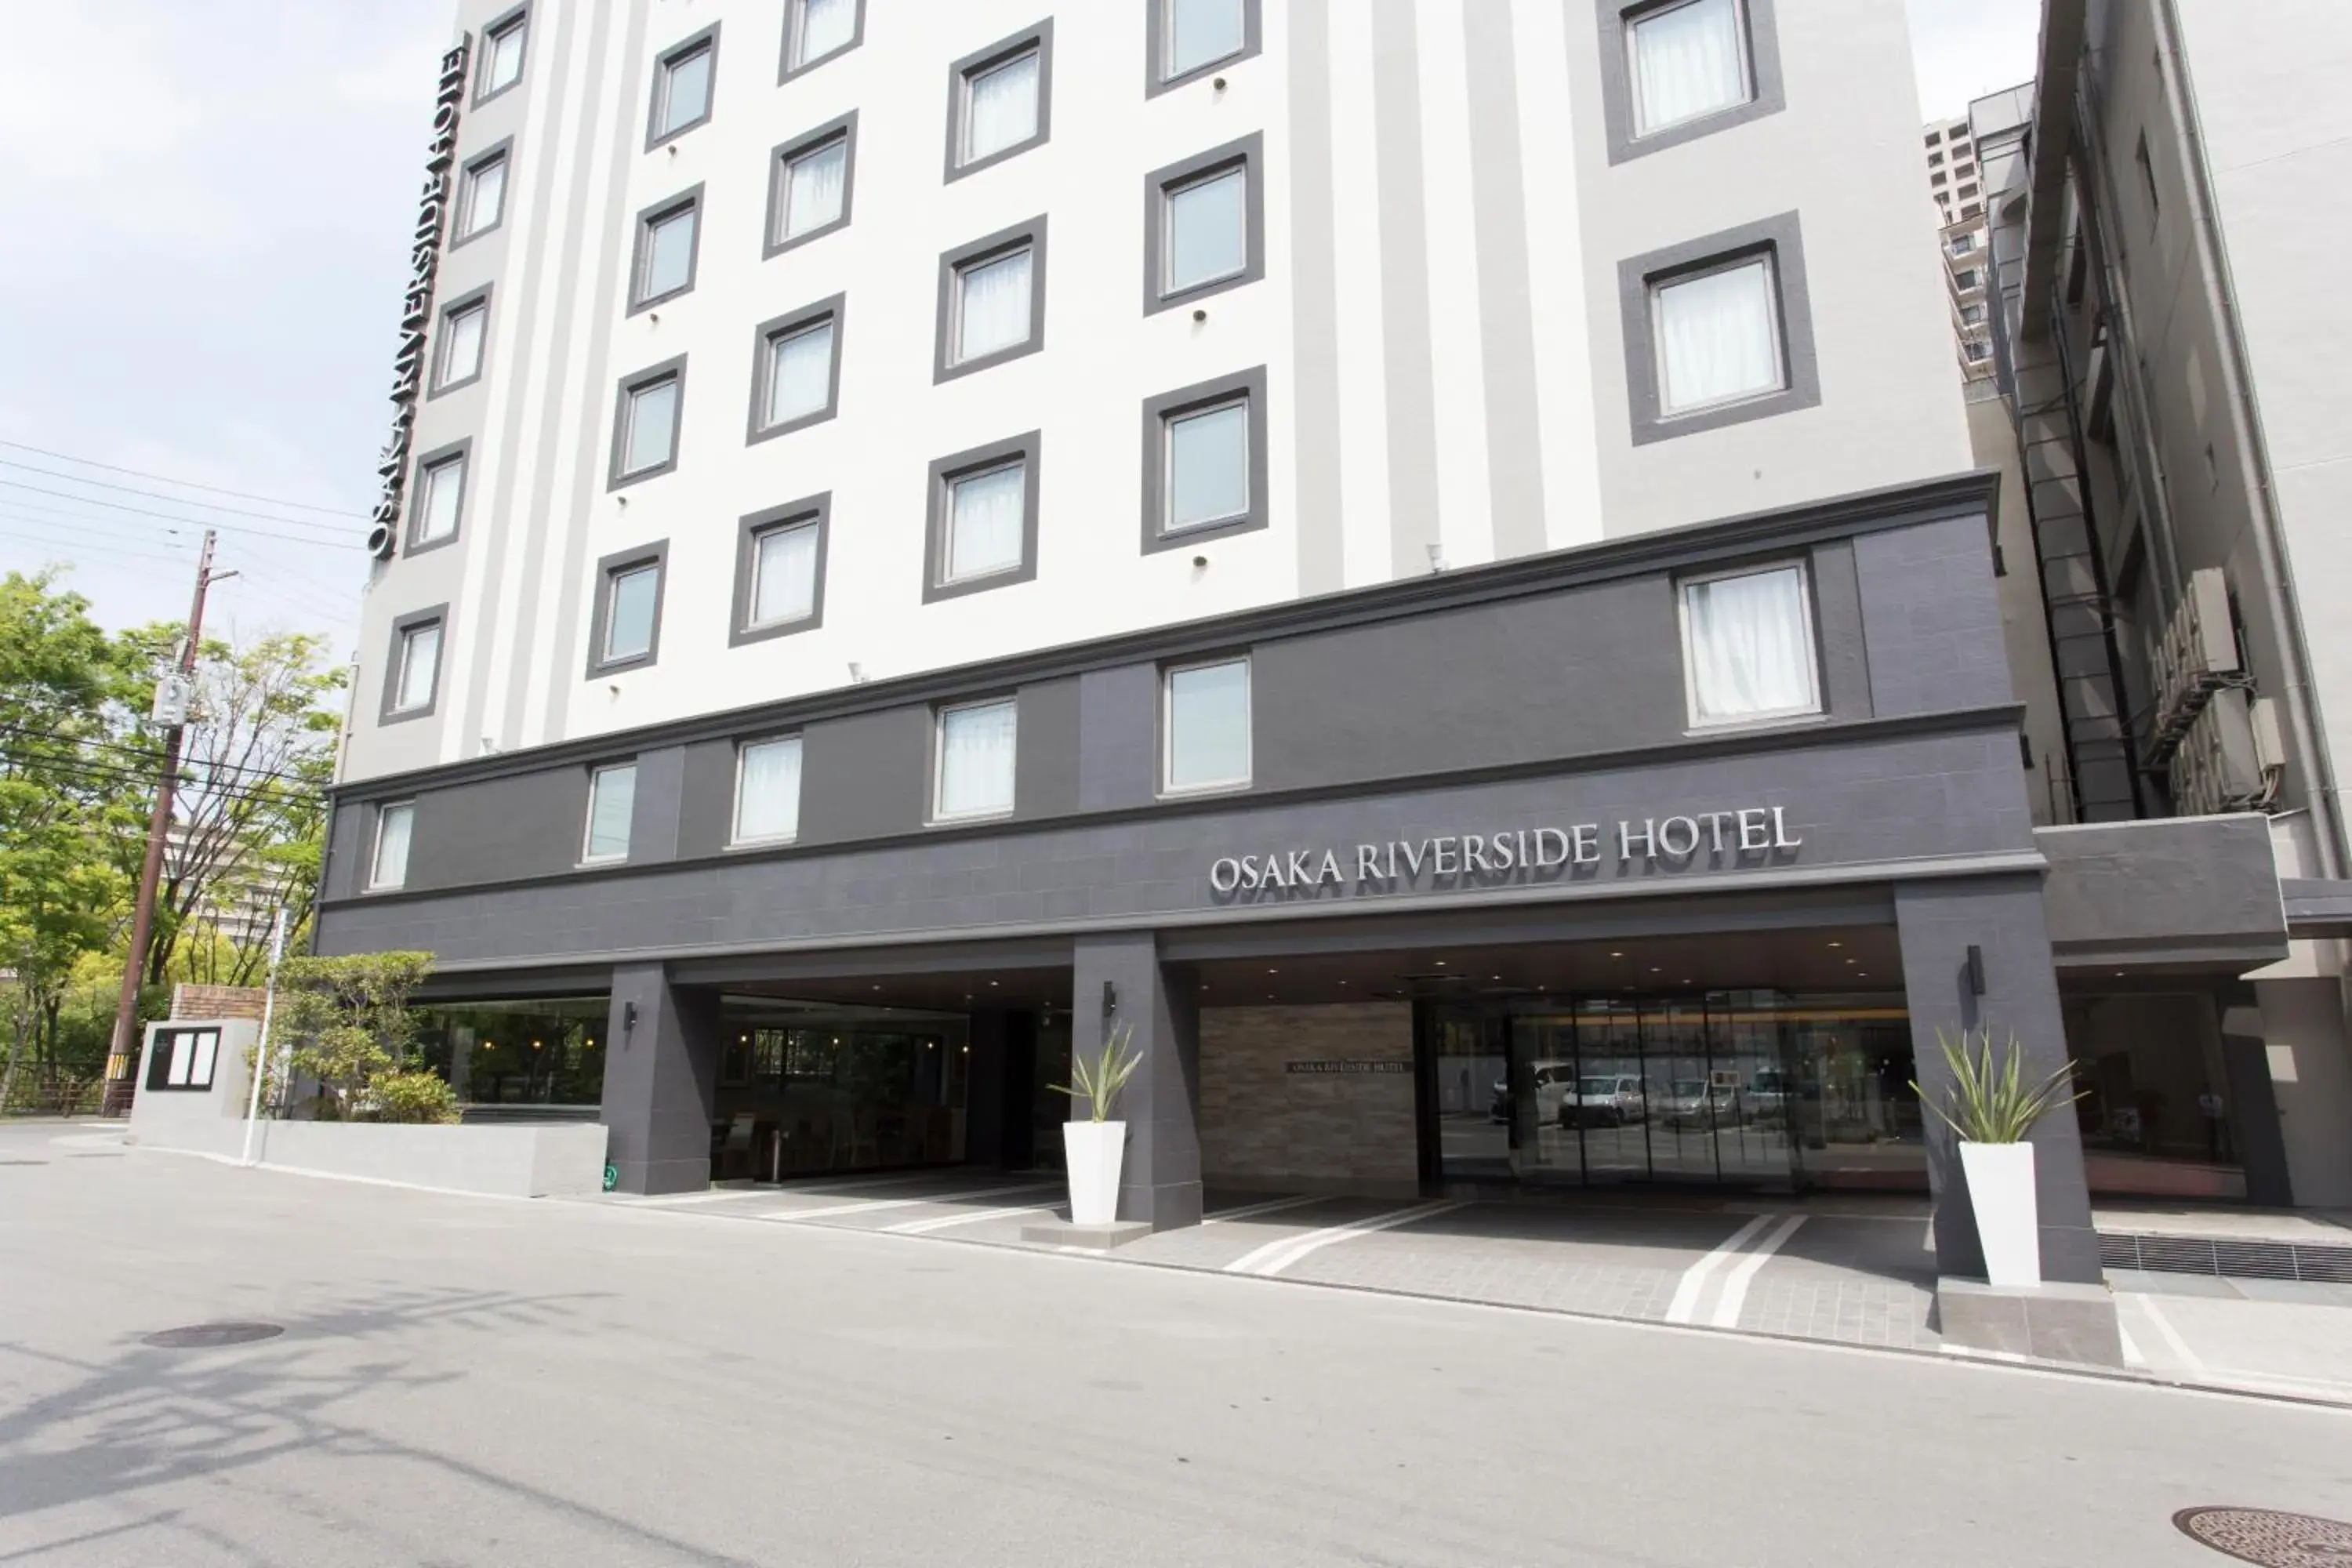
(203, 1336)
(2234, 1259)
(2271, 1539)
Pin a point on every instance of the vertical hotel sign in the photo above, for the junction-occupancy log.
(416, 307)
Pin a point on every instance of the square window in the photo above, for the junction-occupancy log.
(463, 328)
(819, 29)
(441, 493)
(388, 866)
(1748, 645)
(633, 599)
(985, 526)
(976, 747)
(417, 669)
(1206, 742)
(1937, 178)
(1718, 337)
(682, 83)
(767, 791)
(482, 196)
(783, 574)
(1687, 60)
(797, 378)
(1935, 159)
(666, 237)
(1963, 243)
(644, 425)
(612, 799)
(1980, 351)
(1207, 231)
(1197, 33)
(812, 190)
(1208, 466)
(503, 44)
(1972, 314)
(1966, 278)
(991, 304)
(1000, 107)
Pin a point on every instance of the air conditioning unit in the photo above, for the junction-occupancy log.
(2220, 764)
(2197, 657)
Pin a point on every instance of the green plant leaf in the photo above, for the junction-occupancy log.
(1989, 1102)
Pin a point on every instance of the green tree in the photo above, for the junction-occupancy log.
(61, 785)
(349, 1022)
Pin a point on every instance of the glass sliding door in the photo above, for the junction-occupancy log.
(1613, 1091)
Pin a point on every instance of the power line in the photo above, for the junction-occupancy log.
(138, 753)
(183, 484)
(176, 500)
(348, 541)
(84, 546)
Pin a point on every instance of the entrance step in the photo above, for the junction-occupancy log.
(2041, 1322)
(2234, 1258)
(1089, 1238)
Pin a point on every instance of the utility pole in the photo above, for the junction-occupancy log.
(122, 1055)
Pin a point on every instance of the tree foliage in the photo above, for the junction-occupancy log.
(350, 1028)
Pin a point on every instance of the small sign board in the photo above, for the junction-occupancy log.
(1347, 1066)
(612, 1177)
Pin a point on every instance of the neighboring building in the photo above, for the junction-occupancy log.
(2171, 336)
(1955, 180)
(1416, 554)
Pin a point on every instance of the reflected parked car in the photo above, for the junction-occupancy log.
(1693, 1103)
(1607, 1100)
(1767, 1100)
(1554, 1081)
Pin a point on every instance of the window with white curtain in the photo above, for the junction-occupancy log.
(767, 791)
(1687, 59)
(1717, 335)
(632, 603)
(992, 305)
(799, 373)
(436, 510)
(1205, 734)
(1208, 466)
(987, 512)
(484, 199)
(502, 56)
(1747, 647)
(820, 27)
(420, 667)
(612, 799)
(462, 331)
(975, 759)
(665, 253)
(783, 574)
(650, 426)
(388, 866)
(814, 188)
(1199, 33)
(682, 89)
(999, 108)
(1206, 227)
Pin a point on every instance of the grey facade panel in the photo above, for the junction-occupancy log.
(525, 826)
(705, 810)
(1837, 614)
(1046, 765)
(1931, 618)
(2201, 890)
(865, 776)
(1865, 810)
(1119, 736)
(1594, 669)
(654, 809)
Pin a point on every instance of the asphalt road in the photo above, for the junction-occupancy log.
(470, 1381)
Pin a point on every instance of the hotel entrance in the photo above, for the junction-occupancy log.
(1753, 1089)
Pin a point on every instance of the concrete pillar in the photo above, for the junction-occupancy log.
(1937, 923)
(1160, 1183)
(2310, 1064)
(661, 1081)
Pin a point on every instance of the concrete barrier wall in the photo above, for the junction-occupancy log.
(528, 1161)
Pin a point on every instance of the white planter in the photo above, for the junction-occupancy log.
(2001, 1188)
(1095, 1150)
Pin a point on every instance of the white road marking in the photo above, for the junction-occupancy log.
(1270, 1207)
(1685, 1302)
(876, 1205)
(925, 1226)
(673, 1200)
(1277, 1256)
(1734, 1284)
(2171, 1335)
(2132, 1356)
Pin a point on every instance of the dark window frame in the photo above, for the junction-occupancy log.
(389, 711)
(667, 61)
(1038, 37)
(1161, 411)
(1155, 49)
(609, 570)
(1030, 449)
(641, 249)
(844, 128)
(833, 308)
(814, 511)
(1246, 154)
(1031, 232)
(1768, 88)
(628, 387)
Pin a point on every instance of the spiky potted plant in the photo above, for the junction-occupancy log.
(1095, 1146)
(1993, 1108)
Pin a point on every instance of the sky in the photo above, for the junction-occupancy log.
(207, 257)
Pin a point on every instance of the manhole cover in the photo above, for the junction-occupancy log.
(203, 1336)
(2274, 1539)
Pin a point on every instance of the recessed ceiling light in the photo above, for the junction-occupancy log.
(1616, 956)
(1494, 977)
(1274, 970)
(1837, 944)
(1441, 964)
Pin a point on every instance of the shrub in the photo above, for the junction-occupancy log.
(414, 1096)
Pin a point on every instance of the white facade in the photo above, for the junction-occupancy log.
(1440, 328)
